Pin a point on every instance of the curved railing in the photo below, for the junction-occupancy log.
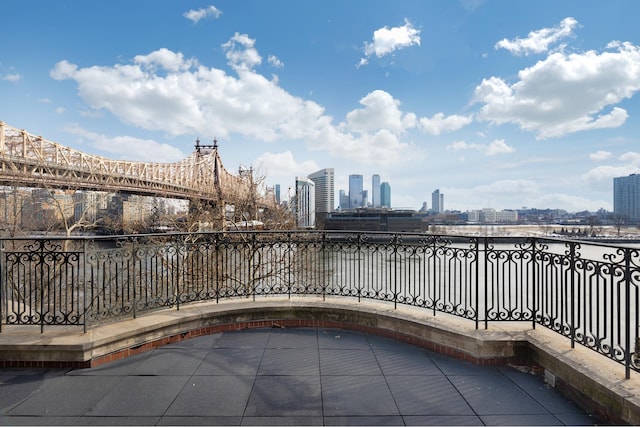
(584, 291)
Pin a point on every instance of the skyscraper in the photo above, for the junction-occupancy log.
(626, 197)
(305, 203)
(437, 201)
(355, 191)
(385, 195)
(375, 191)
(344, 200)
(325, 197)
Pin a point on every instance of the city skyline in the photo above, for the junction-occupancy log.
(497, 104)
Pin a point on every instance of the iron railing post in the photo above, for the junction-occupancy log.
(477, 284)
(292, 277)
(434, 270)
(250, 266)
(486, 281)
(627, 312)
(572, 269)
(357, 259)
(216, 256)
(395, 271)
(41, 285)
(178, 275)
(325, 267)
(534, 281)
(134, 255)
(84, 285)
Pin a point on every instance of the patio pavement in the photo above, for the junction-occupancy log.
(284, 376)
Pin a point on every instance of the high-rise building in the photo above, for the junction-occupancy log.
(385, 195)
(325, 196)
(375, 191)
(437, 201)
(305, 203)
(344, 200)
(278, 193)
(355, 191)
(626, 197)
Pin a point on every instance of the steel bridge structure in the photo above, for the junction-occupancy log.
(32, 161)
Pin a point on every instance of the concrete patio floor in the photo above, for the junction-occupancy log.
(284, 376)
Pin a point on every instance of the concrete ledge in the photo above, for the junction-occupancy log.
(587, 377)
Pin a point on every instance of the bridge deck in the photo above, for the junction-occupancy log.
(32, 161)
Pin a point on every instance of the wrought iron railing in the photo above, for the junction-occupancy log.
(586, 292)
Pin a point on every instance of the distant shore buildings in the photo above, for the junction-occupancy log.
(324, 194)
(314, 201)
(437, 201)
(490, 216)
(356, 212)
(377, 219)
(305, 203)
(626, 197)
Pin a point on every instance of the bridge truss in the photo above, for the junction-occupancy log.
(32, 161)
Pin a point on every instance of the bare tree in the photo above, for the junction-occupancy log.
(595, 226)
(619, 221)
(15, 210)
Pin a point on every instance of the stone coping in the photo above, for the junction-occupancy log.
(590, 379)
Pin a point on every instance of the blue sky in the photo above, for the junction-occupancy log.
(497, 103)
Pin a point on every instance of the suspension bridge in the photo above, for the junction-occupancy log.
(27, 160)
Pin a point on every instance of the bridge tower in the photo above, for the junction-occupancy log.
(31, 161)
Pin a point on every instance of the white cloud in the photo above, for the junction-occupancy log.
(387, 40)
(499, 147)
(510, 186)
(440, 123)
(241, 53)
(568, 202)
(631, 157)
(128, 147)
(282, 167)
(601, 177)
(12, 77)
(164, 91)
(600, 156)
(462, 145)
(187, 98)
(196, 15)
(513, 193)
(565, 93)
(496, 147)
(510, 193)
(164, 59)
(381, 112)
(381, 147)
(540, 40)
(63, 70)
(274, 61)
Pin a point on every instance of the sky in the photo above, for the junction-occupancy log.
(497, 103)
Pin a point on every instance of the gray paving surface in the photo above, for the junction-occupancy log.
(293, 376)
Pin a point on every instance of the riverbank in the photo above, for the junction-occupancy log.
(604, 234)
